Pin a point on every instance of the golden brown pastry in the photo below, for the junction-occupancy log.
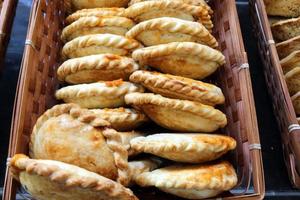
(49, 179)
(138, 167)
(77, 136)
(185, 147)
(99, 44)
(286, 8)
(191, 182)
(109, 94)
(286, 29)
(186, 59)
(96, 12)
(96, 25)
(292, 79)
(81, 4)
(290, 62)
(169, 8)
(167, 29)
(178, 115)
(296, 102)
(287, 47)
(179, 87)
(122, 119)
(127, 137)
(102, 67)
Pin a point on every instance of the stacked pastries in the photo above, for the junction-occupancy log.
(109, 55)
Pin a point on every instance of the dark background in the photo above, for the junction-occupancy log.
(277, 183)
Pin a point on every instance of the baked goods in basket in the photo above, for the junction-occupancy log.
(191, 182)
(185, 147)
(287, 47)
(48, 180)
(81, 4)
(102, 67)
(95, 12)
(109, 94)
(167, 29)
(286, 29)
(96, 25)
(188, 59)
(99, 44)
(178, 87)
(169, 8)
(293, 80)
(290, 62)
(286, 8)
(122, 119)
(178, 115)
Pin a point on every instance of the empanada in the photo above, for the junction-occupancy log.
(185, 147)
(167, 29)
(292, 79)
(96, 12)
(126, 137)
(287, 47)
(186, 59)
(285, 8)
(102, 67)
(169, 8)
(77, 136)
(290, 62)
(109, 94)
(178, 115)
(179, 87)
(49, 180)
(122, 119)
(99, 44)
(286, 29)
(96, 25)
(191, 182)
(81, 4)
(296, 102)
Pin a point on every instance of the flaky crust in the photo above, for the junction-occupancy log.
(79, 183)
(285, 48)
(190, 107)
(293, 80)
(174, 25)
(286, 8)
(81, 4)
(113, 138)
(286, 29)
(102, 67)
(199, 12)
(290, 62)
(219, 177)
(122, 119)
(96, 12)
(110, 93)
(93, 25)
(77, 47)
(188, 148)
(179, 87)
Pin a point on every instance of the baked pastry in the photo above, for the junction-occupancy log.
(286, 29)
(122, 119)
(186, 59)
(167, 29)
(179, 87)
(191, 182)
(98, 149)
(286, 8)
(96, 25)
(99, 44)
(296, 102)
(109, 94)
(187, 148)
(81, 4)
(290, 62)
(96, 12)
(127, 137)
(49, 179)
(292, 79)
(102, 67)
(169, 8)
(287, 47)
(178, 115)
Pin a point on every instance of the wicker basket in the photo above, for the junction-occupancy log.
(282, 104)
(38, 82)
(7, 13)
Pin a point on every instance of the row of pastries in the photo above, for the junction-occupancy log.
(124, 68)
